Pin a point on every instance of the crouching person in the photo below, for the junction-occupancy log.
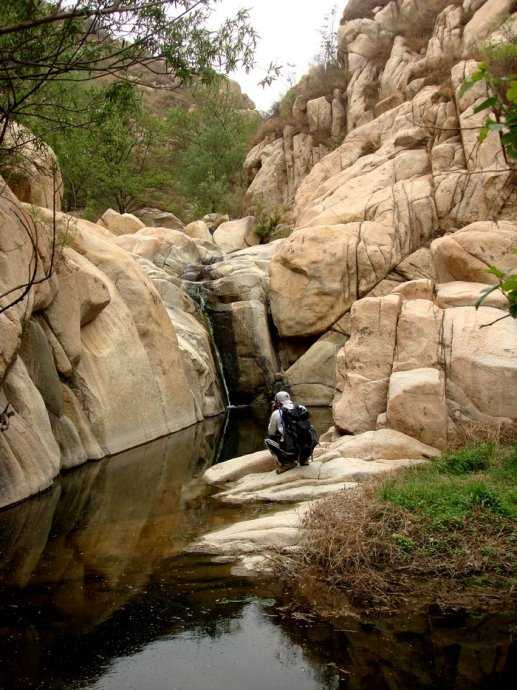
(291, 436)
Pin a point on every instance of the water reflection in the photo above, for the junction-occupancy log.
(92, 569)
(95, 593)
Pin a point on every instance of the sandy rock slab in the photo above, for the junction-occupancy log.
(263, 534)
(318, 480)
(234, 469)
(252, 479)
(336, 467)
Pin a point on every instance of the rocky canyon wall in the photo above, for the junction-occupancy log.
(108, 353)
(397, 212)
(395, 227)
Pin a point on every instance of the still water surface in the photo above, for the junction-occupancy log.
(96, 593)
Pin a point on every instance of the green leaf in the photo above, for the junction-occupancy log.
(510, 284)
(513, 310)
(483, 133)
(493, 270)
(484, 294)
(496, 127)
(485, 105)
(511, 94)
(480, 75)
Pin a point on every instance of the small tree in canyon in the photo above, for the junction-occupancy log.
(44, 43)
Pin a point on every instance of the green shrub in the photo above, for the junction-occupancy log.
(467, 460)
(442, 529)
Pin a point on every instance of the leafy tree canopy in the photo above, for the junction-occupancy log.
(210, 143)
(46, 44)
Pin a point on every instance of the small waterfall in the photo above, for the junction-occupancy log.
(199, 296)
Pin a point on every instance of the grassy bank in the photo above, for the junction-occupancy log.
(446, 531)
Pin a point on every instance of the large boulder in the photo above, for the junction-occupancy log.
(324, 267)
(236, 291)
(120, 223)
(30, 458)
(130, 346)
(39, 362)
(365, 364)
(312, 378)
(16, 254)
(319, 114)
(237, 234)
(429, 372)
(194, 341)
(153, 396)
(254, 536)
(467, 254)
(486, 19)
(169, 249)
(387, 444)
(33, 172)
(198, 231)
(155, 217)
(417, 405)
(463, 294)
(234, 469)
(242, 335)
(321, 478)
(481, 364)
(82, 296)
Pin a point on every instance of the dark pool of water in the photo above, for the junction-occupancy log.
(96, 593)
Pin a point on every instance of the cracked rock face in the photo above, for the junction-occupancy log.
(94, 361)
(436, 364)
(410, 194)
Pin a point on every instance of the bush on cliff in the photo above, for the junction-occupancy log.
(445, 530)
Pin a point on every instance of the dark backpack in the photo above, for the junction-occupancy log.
(300, 437)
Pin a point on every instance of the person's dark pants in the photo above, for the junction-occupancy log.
(274, 446)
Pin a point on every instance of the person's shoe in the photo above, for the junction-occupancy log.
(286, 468)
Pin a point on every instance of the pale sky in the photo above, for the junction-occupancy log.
(289, 34)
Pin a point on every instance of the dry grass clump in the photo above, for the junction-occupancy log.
(370, 146)
(371, 93)
(349, 544)
(447, 529)
(469, 432)
(321, 80)
(417, 29)
(439, 71)
(273, 128)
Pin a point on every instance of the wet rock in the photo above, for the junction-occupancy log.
(255, 536)
(232, 470)
(30, 458)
